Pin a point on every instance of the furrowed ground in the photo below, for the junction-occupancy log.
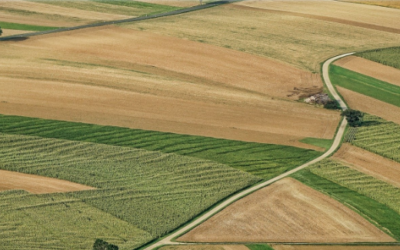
(202, 89)
(143, 193)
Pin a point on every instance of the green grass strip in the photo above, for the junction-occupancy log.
(259, 247)
(387, 56)
(19, 26)
(263, 160)
(377, 213)
(365, 85)
(322, 143)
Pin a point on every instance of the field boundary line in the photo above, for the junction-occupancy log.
(168, 240)
(134, 19)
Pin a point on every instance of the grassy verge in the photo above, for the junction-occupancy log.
(387, 56)
(377, 213)
(18, 26)
(259, 247)
(365, 85)
(379, 136)
(322, 143)
(263, 160)
(151, 191)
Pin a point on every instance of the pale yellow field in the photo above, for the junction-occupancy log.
(383, 3)
(286, 211)
(304, 45)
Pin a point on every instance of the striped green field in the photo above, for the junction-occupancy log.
(387, 56)
(147, 191)
(379, 136)
(263, 160)
(18, 26)
(365, 85)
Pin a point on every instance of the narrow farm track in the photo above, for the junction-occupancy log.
(325, 73)
(135, 19)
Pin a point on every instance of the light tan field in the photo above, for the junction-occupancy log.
(178, 3)
(348, 13)
(286, 211)
(370, 105)
(370, 68)
(273, 35)
(205, 247)
(9, 32)
(36, 184)
(369, 163)
(143, 80)
(383, 3)
(296, 247)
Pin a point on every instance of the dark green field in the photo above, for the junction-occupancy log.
(263, 160)
(365, 85)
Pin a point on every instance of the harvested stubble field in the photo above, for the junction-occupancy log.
(286, 211)
(146, 191)
(379, 136)
(369, 163)
(383, 3)
(370, 105)
(337, 247)
(72, 13)
(370, 68)
(273, 35)
(126, 76)
(263, 160)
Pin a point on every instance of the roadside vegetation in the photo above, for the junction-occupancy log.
(263, 160)
(322, 143)
(378, 136)
(377, 213)
(387, 56)
(365, 85)
(151, 191)
(18, 26)
(259, 247)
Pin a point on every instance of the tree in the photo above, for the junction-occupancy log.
(1, 31)
(353, 117)
(103, 245)
(332, 104)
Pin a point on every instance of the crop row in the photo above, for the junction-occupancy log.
(263, 160)
(388, 56)
(153, 191)
(379, 136)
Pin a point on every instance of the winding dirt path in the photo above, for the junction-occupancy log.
(168, 240)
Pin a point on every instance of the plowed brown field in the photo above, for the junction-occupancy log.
(370, 163)
(37, 184)
(205, 247)
(294, 247)
(122, 77)
(370, 105)
(286, 211)
(350, 13)
(370, 68)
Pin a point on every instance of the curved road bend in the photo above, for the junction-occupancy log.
(168, 240)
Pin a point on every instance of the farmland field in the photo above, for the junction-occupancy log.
(271, 34)
(286, 211)
(383, 3)
(148, 190)
(380, 137)
(388, 56)
(320, 247)
(126, 85)
(369, 163)
(205, 247)
(365, 85)
(371, 69)
(263, 160)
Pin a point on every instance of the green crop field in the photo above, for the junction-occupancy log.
(263, 160)
(388, 56)
(18, 26)
(259, 247)
(151, 191)
(377, 213)
(359, 182)
(365, 85)
(379, 136)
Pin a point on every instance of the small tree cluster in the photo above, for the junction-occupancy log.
(103, 245)
(1, 31)
(353, 117)
(332, 104)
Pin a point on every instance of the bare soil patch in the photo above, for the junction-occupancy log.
(37, 184)
(370, 68)
(366, 16)
(294, 247)
(370, 105)
(9, 32)
(286, 211)
(143, 80)
(370, 163)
